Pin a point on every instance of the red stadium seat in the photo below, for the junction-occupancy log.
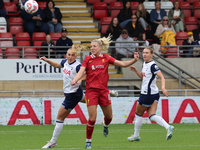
(12, 53)
(42, 5)
(23, 39)
(100, 9)
(30, 53)
(109, 1)
(38, 38)
(196, 8)
(191, 23)
(16, 2)
(192, 1)
(6, 39)
(92, 1)
(186, 8)
(55, 37)
(134, 6)
(115, 8)
(180, 37)
(171, 52)
(11, 8)
(105, 21)
(1, 54)
(15, 25)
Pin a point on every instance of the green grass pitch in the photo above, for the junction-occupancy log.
(153, 137)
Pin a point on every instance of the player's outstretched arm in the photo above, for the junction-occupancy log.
(127, 63)
(78, 76)
(52, 63)
(161, 77)
(133, 68)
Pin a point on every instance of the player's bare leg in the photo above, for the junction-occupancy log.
(92, 111)
(62, 114)
(83, 100)
(107, 111)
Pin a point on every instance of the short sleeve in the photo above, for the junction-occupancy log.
(63, 62)
(155, 69)
(78, 68)
(85, 61)
(111, 59)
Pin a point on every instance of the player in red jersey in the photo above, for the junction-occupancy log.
(96, 68)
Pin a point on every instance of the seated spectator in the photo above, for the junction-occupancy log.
(125, 14)
(188, 51)
(63, 41)
(35, 21)
(142, 37)
(53, 17)
(124, 52)
(44, 51)
(2, 12)
(115, 30)
(134, 28)
(143, 16)
(156, 16)
(166, 33)
(176, 17)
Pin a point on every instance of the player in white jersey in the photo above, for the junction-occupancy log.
(149, 96)
(73, 94)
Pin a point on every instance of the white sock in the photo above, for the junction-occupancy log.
(138, 124)
(57, 130)
(159, 120)
(88, 140)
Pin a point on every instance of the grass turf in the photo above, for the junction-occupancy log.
(153, 137)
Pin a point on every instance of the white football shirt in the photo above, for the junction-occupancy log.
(69, 72)
(149, 70)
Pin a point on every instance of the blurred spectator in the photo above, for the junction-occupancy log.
(124, 52)
(176, 17)
(63, 41)
(142, 37)
(166, 33)
(35, 21)
(134, 28)
(188, 51)
(156, 16)
(2, 12)
(143, 16)
(53, 17)
(115, 30)
(47, 42)
(125, 14)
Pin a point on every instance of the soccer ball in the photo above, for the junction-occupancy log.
(31, 6)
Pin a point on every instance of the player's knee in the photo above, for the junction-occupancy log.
(92, 119)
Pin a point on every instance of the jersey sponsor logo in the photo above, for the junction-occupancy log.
(97, 66)
(66, 71)
(93, 68)
(143, 73)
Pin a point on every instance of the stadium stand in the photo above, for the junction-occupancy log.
(55, 36)
(134, 6)
(6, 39)
(3, 25)
(38, 38)
(186, 8)
(176, 0)
(12, 53)
(16, 2)
(109, 1)
(100, 9)
(192, 1)
(167, 6)
(191, 23)
(15, 25)
(42, 5)
(105, 21)
(92, 1)
(196, 9)
(115, 8)
(30, 53)
(11, 9)
(171, 52)
(23, 39)
(180, 37)
(149, 6)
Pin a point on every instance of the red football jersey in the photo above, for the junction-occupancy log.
(97, 70)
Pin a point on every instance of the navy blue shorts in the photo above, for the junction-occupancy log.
(72, 99)
(147, 100)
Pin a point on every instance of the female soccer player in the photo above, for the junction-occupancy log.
(73, 94)
(149, 96)
(96, 67)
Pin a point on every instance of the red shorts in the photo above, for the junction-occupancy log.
(97, 96)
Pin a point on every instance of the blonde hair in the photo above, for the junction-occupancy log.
(104, 42)
(77, 47)
(149, 48)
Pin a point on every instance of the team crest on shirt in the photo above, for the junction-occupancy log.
(103, 60)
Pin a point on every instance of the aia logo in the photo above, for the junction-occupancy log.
(143, 73)
(67, 72)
